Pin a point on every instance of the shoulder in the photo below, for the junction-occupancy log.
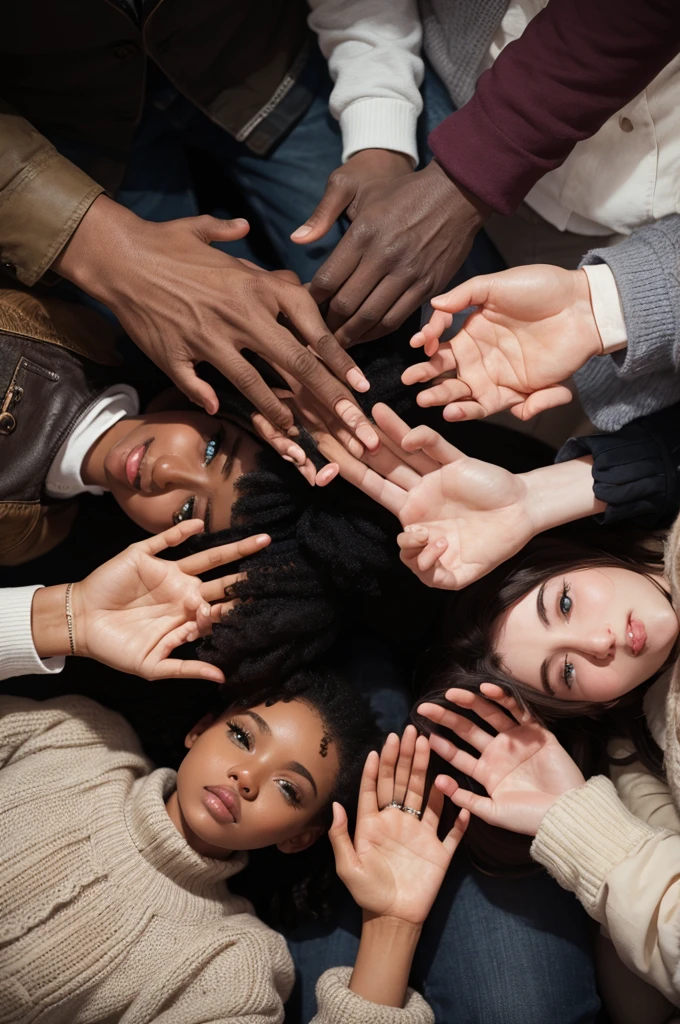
(63, 722)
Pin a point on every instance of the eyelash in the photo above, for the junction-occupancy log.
(211, 449)
(289, 791)
(568, 670)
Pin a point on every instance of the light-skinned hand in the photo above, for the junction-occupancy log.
(396, 864)
(134, 610)
(533, 328)
(523, 768)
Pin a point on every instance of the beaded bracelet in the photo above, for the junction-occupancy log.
(69, 618)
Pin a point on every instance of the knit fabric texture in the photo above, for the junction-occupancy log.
(642, 378)
(106, 913)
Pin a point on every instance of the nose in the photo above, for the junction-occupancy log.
(601, 643)
(246, 782)
(171, 473)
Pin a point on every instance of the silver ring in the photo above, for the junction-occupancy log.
(412, 810)
(394, 803)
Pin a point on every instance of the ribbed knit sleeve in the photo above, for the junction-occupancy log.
(575, 65)
(644, 377)
(635, 469)
(625, 874)
(337, 1005)
(18, 656)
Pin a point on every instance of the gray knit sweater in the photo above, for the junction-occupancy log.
(456, 37)
(644, 377)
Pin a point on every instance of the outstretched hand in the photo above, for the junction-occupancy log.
(134, 610)
(461, 517)
(396, 865)
(532, 329)
(523, 768)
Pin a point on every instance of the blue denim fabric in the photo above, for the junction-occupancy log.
(493, 950)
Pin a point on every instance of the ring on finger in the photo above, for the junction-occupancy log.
(394, 803)
(411, 810)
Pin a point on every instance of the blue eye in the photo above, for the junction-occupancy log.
(186, 512)
(212, 448)
(566, 603)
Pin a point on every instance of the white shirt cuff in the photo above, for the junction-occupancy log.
(607, 308)
(379, 123)
(18, 656)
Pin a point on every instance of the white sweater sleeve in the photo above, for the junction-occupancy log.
(373, 53)
(18, 656)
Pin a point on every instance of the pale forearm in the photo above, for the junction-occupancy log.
(383, 962)
(561, 493)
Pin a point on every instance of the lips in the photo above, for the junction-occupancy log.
(133, 464)
(636, 635)
(223, 803)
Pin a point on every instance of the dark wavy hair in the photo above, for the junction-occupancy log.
(292, 889)
(468, 656)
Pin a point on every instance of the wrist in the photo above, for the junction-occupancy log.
(397, 928)
(384, 960)
(48, 622)
(452, 192)
(87, 257)
(588, 334)
(560, 493)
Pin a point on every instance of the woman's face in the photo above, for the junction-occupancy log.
(591, 635)
(256, 778)
(171, 466)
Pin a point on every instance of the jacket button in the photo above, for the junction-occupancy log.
(625, 124)
(8, 266)
(124, 51)
(7, 423)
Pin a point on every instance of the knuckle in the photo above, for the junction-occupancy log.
(339, 179)
(301, 364)
(322, 280)
(327, 345)
(363, 231)
(342, 306)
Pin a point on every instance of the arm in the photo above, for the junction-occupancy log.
(623, 871)
(644, 377)
(130, 613)
(43, 198)
(574, 66)
(373, 54)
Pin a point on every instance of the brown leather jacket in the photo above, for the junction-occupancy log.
(78, 70)
(55, 358)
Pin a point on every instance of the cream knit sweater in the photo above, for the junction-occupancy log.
(106, 914)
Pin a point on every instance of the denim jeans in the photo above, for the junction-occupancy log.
(493, 950)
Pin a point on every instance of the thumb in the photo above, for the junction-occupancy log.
(336, 199)
(343, 850)
(212, 229)
(474, 292)
(539, 401)
(197, 390)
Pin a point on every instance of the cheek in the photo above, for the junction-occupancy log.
(153, 514)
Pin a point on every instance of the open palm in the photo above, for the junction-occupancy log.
(461, 516)
(523, 768)
(397, 864)
(134, 610)
(532, 329)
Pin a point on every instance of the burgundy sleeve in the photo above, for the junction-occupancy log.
(576, 63)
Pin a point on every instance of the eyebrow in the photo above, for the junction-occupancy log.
(259, 721)
(540, 605)
(295, 766)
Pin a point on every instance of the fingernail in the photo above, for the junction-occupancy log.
(367, 435)
(292, 432)
(302, 231)
(354, 448)
(287, 458)
(357, 380)
(297, 455)
(441, 543)
(239, 222)
(205, 609)
(420, 530)
(262, 539)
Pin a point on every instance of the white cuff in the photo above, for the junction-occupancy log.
(379, 123)
(18, 656)
(607, 308)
